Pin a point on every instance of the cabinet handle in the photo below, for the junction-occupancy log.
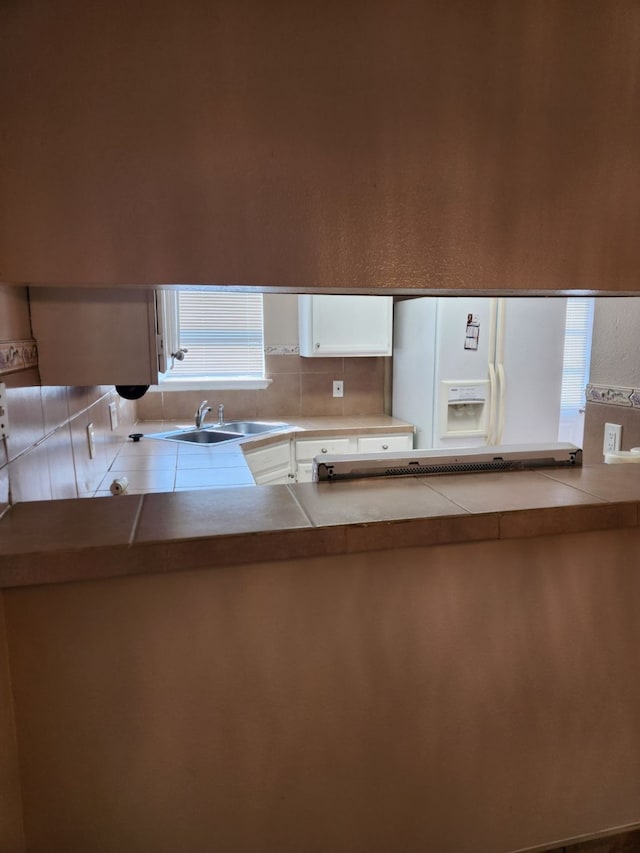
(324, 450)
(317, 346)
(385, 446)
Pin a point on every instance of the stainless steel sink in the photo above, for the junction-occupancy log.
(228, 431)
(250, 427)
(199, 436)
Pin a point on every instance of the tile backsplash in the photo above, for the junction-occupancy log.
(301, 387)
(46, 454)
(610, 404)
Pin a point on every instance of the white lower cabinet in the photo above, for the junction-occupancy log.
(306, 449)
(292, 460)
(271, 465)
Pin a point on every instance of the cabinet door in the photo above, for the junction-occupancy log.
(304, 472)
(167, 328)
(270, 464)
(95, 336)
(345, 325)
(274, 478)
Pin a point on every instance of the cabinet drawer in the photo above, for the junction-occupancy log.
(308, 448)
(382, 443)
(268, 458)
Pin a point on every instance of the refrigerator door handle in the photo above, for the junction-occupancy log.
(501, 404)
(492, 406)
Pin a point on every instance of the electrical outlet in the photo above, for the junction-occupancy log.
(338, 388)
(91, 441)
(612, 438)
(113, 415)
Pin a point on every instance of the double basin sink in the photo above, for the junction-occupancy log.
(217, 433)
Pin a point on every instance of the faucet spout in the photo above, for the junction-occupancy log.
(201, 414)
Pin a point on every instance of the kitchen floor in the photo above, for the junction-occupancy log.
(152, 465)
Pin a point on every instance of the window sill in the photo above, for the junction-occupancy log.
(204, 384)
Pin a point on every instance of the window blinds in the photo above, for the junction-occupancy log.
(577, 353)
(223, 333)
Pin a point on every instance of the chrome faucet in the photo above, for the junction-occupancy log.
(201, 414)
(220, 414)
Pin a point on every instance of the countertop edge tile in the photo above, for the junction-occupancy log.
(261, 547)
(101, 563)
(48, 563)
(582, 518)
(412, 532)
(65, 566)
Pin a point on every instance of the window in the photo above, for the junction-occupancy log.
(223, 335)
(575, 368)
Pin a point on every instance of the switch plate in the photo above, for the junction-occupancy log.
(113, 415)
(4, 414)
(338, 388)
(612, 438)
(91, 441)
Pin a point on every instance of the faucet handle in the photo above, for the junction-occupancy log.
(202, 413)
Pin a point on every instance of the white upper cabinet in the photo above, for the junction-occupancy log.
(339, 325)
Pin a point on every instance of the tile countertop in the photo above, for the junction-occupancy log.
(59, 541)
(167, 466)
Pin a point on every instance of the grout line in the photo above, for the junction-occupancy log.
(577, 488)
(136, 520)
(450, 499)
(301, 508)
(47, 435)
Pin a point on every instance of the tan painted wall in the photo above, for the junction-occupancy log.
(14, 314)
(459, 145)
(461, 699)
(615, 358)
(11, 828)
(280, 319)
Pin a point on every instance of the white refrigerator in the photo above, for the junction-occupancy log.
(469, 371)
